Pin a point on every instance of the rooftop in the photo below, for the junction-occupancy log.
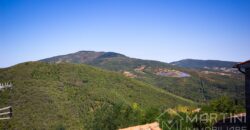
(245, 64)
(152, 126)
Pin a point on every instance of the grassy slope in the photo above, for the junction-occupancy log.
(53, 96)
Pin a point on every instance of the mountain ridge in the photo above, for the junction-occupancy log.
(181, 81)
(82, 57)
(103, 54)
(197, 63)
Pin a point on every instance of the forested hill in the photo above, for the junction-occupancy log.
(56, 96)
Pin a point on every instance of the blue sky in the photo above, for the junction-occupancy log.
(164, 30)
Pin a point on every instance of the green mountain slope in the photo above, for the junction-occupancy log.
(200, 85)
(55, 96)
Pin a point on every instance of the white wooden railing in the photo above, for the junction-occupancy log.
(5, 113)
(5, 85)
